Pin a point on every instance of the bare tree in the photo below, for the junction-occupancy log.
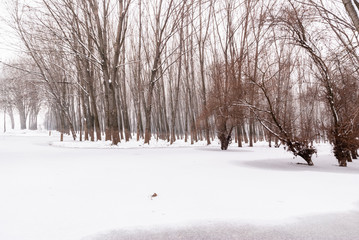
(295, 20)
(352, 8)
(167, 21)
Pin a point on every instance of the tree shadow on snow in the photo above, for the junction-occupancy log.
(218, 149)
(320, 165)
(337, 226)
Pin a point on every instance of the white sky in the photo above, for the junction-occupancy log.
(9, 44)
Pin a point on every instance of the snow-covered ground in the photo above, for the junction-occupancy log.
(91, 191)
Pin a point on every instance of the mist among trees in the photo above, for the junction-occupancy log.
(284, 72)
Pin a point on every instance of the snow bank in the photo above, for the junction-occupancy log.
(68, 143)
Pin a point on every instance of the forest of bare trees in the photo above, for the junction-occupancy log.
(285, 72)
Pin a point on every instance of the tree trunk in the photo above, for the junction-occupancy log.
(22, 116)
(148, 112)
(354, 153)
(352, 12)
(225, 138)
(114, 129)
(33, 119)
(251, 130)
(152, 82)
(11, 115)
(239, 136)
(4, 119)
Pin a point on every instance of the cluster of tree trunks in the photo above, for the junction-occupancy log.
(170, 69)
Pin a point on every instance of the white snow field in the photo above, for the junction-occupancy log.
(93, 191)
